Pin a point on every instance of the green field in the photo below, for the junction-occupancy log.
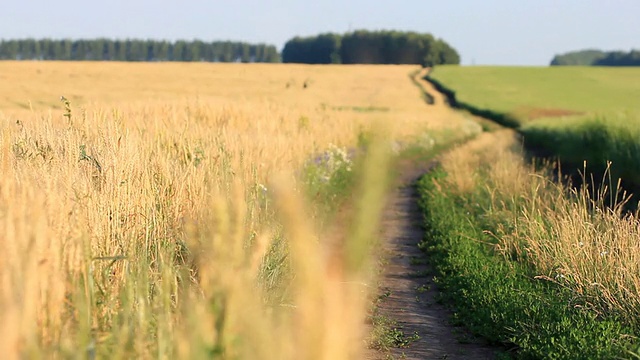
(575, 114)
(536, 91)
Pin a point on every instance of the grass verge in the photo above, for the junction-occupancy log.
(491, 267)
(386, 334)
(604, 142)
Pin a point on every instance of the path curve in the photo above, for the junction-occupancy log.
(407, 279)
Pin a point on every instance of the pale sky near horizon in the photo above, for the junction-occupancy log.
(500, 32)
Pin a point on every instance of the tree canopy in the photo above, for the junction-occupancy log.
(358, 47)
(620, 58)
(320, 49)
(370, 47)
(136, 50)
(598, 58)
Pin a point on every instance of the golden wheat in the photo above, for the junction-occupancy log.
(161, 217)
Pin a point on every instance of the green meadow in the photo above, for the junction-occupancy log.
(575, 114)
(533, 92)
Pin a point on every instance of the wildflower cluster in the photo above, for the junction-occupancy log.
(329, 173)
(426, 141)
(333, 162)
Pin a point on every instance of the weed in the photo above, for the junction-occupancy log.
(387, 335)
(384, 295)
(421, 274)
(67, 110)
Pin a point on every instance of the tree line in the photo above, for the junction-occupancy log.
(370, 47)
(136, 50)
(358, 47)
(598, 58)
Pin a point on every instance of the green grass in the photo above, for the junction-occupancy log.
(514, 90)
(498, 298)
(386, 334)
(575, 114)
(598, 140)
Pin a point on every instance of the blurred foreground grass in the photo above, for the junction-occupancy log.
(177, 210)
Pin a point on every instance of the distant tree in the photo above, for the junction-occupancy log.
(260, 52)
(6, 52)
(109, 52)
(206, 51)
(578, 58)
(180, 51)
(447, 54)
(321, 49)
(46, 49)
(28, 49)
(226, 52)
(56, 50)
(370, 47)
(293, 50)
(136, 50)
(65, 50)
(149, 50)
(620, 58)
(120, 49)
(362, 47)
(598, 58)
(161, 50)
(79, 50)
(97, 49)
(402, 48)
(271, 54)
(245, 53)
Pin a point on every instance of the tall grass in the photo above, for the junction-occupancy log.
(578, 241)
(605, 142)
(180, 228)
(580, 238)
(128, 238)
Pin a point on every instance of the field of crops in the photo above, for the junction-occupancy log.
(171, 210)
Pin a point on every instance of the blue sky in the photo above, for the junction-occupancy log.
(503, 32)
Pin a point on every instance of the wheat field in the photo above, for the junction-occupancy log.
(157, 210)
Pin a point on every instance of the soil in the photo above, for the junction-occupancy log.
(539, 113)
(410, 296)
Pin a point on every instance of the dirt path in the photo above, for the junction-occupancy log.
(439, 100)
(409, 295)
